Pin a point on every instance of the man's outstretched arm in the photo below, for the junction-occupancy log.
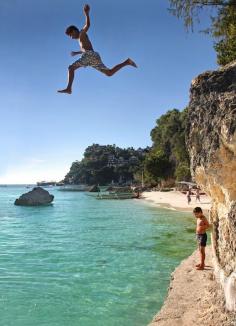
(86, 12)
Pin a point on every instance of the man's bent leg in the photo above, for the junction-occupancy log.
(71, 75)
(112, 71)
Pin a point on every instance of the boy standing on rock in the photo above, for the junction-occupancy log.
(202, 226)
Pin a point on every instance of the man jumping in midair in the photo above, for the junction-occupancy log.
(89, 57)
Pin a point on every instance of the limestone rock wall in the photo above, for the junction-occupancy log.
(211, 141)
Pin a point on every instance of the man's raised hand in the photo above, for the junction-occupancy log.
(86, 9)
(87, 23)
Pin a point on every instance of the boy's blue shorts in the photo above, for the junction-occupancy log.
(202, 239)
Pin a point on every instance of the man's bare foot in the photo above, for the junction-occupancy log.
(200, 267)
(66, 91)
(197, 265)
(132, 63)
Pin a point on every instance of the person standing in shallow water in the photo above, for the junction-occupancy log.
(198, 195)
(189, 196)
(89, 58)
(201, 236)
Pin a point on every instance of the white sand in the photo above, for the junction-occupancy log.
(176, 200)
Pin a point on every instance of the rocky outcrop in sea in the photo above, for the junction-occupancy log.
(36, 197)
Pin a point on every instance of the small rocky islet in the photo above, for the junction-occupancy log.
(36, 197)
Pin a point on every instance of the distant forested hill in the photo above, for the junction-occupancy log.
(167, 159)
(103, 164)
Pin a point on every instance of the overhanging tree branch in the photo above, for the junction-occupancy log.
(214, 3)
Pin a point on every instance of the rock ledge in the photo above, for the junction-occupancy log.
(194, 297)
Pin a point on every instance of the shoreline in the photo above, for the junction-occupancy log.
(175, 200)
(194, 297)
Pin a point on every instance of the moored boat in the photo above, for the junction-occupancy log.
(117, 195)
(74, 188)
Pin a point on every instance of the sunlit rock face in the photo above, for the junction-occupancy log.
(211, 141)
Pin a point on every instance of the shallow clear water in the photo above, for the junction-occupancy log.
(86, 262)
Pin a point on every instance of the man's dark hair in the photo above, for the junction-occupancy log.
(71, 29)
(197, 210)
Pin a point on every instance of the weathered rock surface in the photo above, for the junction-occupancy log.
(37, 196)
(194, 297)
(211, 141)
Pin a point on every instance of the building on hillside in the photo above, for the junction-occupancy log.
(133, 160)
(121, 161)
(112, 161)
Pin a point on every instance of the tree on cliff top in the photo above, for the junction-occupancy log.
(223, 27)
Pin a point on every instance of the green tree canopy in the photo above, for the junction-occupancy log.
(222, 29)
(168, 157)
(103, 164)
(157, 165)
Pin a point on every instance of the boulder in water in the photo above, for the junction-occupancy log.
(36, 197)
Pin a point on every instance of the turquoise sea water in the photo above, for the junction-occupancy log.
(87, 262)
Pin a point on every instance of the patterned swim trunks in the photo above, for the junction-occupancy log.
(202, 239)
(90, 59)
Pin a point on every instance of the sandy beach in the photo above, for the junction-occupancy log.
(175, 200)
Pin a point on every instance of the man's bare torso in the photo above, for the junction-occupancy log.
(201, 225)
(84, 42)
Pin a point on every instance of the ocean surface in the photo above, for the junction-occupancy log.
(87, 262)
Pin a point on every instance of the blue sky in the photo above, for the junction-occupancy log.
(43, 132)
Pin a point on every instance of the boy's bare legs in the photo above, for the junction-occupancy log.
(108, 72)
(112, 71)
(71, 75)
(202, 258)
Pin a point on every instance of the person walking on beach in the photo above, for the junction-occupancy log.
(201, 236)
(198, 194)
(88, 56)
(189, 196)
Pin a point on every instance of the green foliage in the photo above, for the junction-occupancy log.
(222, 29)
(104, 164)
(166, 160)
(190, 10)
(156, 165)
(182, 172)
(168, 156)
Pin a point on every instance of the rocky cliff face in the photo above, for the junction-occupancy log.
(211, 141)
